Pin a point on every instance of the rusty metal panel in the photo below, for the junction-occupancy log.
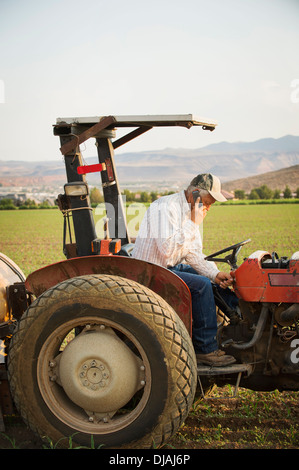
(73, 144)
(160, 280)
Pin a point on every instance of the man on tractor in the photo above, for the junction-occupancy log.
(170, 236)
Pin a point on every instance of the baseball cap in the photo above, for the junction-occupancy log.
(210, 183)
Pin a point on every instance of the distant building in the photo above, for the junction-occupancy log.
(227, 195)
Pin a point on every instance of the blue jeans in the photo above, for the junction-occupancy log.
(204, 325)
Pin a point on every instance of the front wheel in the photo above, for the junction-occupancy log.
(102, 358)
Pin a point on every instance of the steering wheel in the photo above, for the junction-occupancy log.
(231, 259)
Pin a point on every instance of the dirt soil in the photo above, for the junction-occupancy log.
(253, 420)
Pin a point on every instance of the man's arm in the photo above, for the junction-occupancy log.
(196, 259)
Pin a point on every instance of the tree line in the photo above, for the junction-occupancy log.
(264, 192)
(96, 197)
(10, 204)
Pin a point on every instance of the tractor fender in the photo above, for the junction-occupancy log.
(160, 280)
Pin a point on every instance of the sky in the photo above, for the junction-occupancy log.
(234, 61)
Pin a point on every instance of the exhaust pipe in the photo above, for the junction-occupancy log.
(257, 334)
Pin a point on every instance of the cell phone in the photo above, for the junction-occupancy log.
(195, 195)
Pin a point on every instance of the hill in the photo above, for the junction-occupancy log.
(23, 173)
(229, 161)
(273, 179)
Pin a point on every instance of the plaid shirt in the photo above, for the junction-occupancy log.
(167, 236)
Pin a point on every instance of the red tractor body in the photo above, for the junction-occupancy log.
(261, 279)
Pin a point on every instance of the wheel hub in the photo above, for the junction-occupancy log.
(94, 374)
(99, 372)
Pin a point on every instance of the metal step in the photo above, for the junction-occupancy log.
(225, 370)
(203, 370)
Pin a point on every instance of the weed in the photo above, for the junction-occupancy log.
(12, 441)
(51, 445)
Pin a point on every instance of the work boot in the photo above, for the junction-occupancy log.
(216, 358)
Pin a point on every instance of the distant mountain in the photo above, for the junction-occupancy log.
(23, 173)
(229, 161)
(287, 143)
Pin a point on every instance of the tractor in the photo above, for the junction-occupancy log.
(98, 345)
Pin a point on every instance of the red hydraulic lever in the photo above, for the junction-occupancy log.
(82, 170)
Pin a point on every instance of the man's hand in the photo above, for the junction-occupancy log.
(200, 208)
(224, 279)
(198, 212)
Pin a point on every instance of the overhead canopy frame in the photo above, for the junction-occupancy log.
(73, 131)
(86, 127)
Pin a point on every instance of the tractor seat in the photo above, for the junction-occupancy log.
(126, 250)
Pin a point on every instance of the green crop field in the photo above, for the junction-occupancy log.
(33, 238)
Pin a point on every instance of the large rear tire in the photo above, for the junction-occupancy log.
(104, 360)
